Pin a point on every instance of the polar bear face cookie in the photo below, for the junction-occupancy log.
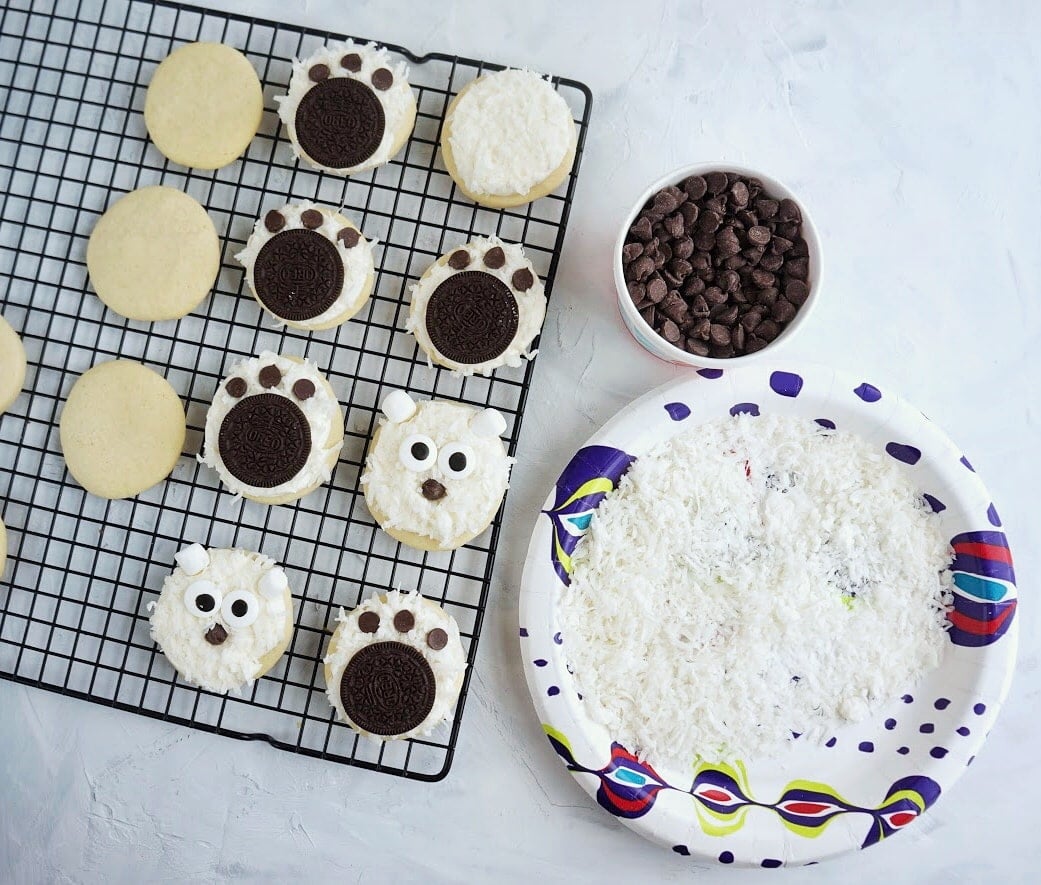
(436, 471)
(223, 617)
(394, 666)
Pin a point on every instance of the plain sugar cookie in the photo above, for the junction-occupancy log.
(508, 138)
(204, 105)
(153, 255)
(122, 429)
(223, 618)
(12, 365)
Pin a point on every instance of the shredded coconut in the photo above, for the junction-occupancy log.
(750, 580)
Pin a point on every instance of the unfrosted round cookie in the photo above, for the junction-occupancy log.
(394, 666)
(508, 138)
(223, 617)
(204, 105)
(122, 429)
(274, 429)
(349, 107)
(12, 365)
(308, 266)
(153, 255)
(436, 471)
(478, 307)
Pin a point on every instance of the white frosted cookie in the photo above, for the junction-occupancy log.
(436, 471)
(508, 138)
(204, 105)
(12, 365)
(122, 429)
(478, 307)
(308, 266)
(223, 617)
(153, 255)
(394, 666)
(349, 107)
(274, 429)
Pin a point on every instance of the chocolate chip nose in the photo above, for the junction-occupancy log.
(216, 634)
(433, 490)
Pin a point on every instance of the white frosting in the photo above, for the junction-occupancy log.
(357, 261)
(181, 634)
(509, 132)
(531, 305)
(448, 664)
(398, 102)
(469, 503)
(322, 412)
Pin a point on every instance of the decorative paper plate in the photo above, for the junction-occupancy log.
(870, 779)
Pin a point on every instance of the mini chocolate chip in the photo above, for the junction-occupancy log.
(754, 343)
(708, 222)
(683, 247)
(680, 268)
(721, 352)
(767, 296)
(404, 621)
(768, 330)
(689, 211)
(216, 634)
(351, 62)
(694, 187)
(368, 622)
(522, 279)
(274, 221)
(433, 490)
(799, 268)
(703, 328)
(740, 296)
(642, 267)
(759, 235)
(674, 225)
(780, 245)
(766, 208)
(494, 258)
(665, 203)
(704, 240)
(727, 243)
(693, 286)
(382, 79)
(647, 313)
(800, 249)
(269, 377)
(236, 387)
(670, 331)
(787, 229)
(771, 262)
(735, 262)
(641, 229)
(696, 347)
(637, 291)
(783, 311)
(729, 316)
(763, 278)
(729, 280)
(737, 338)
(700, 306)
(630, 252)
(714, 295)
(349, 237)
(319, 73)
(788, 210)
(311, 219)
(796, 291)
(747, 218)
(459, 259)
(303, 389)
(751, 319)
(716, 182)
(719, 335)
(656, 289)
(739, 194)
(437, 639)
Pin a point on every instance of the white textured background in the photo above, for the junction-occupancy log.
(911, 132)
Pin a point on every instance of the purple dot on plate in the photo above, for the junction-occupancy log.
(771, 863)
(866, 747)
(927, 728)
(681, 849)
(902, 452)
(992, 515)
(579, 696)
(711, 374)
(935, 503)
(553, 691)
(964, 732)
(903, 751)
(942, 703)
(796, 735)
(868, 392)
(979, 709)
(907, 699)
(726, 857)
(745, 409)
(965, 461)
(825, 422)
(786, 383)
(971, 760)
(558, 639)
(677, 411)
(540, 662)
(938, 752)
(524, 631)
(831, 742)
(890, 724)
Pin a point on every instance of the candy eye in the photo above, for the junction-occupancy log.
(456, 460)
(240, 609)
(418, 452)
(202, 599)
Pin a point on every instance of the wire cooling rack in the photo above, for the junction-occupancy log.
(81, 570)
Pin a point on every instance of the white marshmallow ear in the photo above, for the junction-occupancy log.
(488, 423)
(274, 583)
(192, 559)
(398, 406)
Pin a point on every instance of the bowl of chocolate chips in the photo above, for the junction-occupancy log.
(716, 265)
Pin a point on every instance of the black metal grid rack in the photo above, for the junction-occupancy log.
(81, 570)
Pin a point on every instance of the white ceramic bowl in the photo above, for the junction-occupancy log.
(651, 340)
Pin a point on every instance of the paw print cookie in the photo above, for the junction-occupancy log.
(223, 617)
(308, 266)
(478, 308)
(349, 108)
(274, 430)
(394, 666)
(436, 471)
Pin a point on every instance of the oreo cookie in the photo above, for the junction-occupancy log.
(298, 274)
(388, 688)
(472, 317)
(264, 440)
(340, 122)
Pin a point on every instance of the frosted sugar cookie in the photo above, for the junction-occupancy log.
(478, 308)
(12, 365)
(274, 429)
(223, 618)
(394, 666)
(153, 255)
(349, 107)
(122, 429)
(203, 105)
(436, 471)
(508, 138)
(308, 266)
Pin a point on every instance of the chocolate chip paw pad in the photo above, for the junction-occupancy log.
(394, 666)
(308, 266)
(349, 107)
(274, 430)
(478, 308)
